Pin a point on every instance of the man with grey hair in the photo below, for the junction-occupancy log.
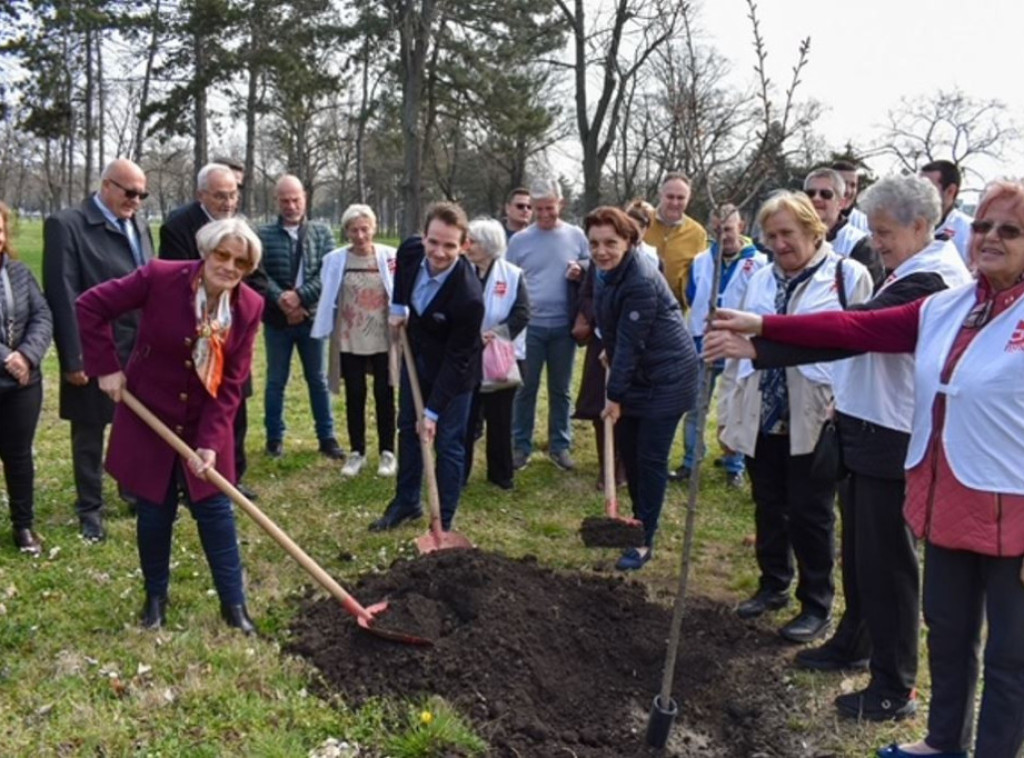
(216, 198)
(677, 237)
(101, 239)
(293, 252)
(552, 255)
(826, 189)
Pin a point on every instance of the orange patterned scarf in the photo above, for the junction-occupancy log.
(211, 334)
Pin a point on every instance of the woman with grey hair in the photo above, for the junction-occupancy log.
(874, 398)
(356, 286)
(506, 314)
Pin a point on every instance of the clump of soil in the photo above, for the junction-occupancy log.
(547, 663)
(601, 531)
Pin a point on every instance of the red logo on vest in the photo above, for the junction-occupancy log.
(500, 288)
(1016, 342)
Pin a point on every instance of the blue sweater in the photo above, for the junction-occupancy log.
(543, 256)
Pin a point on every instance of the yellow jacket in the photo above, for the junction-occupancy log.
(677, 246)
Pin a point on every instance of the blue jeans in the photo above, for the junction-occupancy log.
(556, 348)
(644, 445)
(279, 363)
(449, 450)
(734, 463)
(216, 522)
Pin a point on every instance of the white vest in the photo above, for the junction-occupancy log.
(819, 294)
(957, 226)
(703, 273)
(879, 387)
(846, 238)
(332, 271)
(983, 434)
(858, 219)
(500, 294)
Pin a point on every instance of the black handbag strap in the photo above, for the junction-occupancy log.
(840, 285)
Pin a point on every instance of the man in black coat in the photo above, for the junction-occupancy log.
(438, 299)
(217, 186)
(101, 239)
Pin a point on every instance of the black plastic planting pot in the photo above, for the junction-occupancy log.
(659, 723)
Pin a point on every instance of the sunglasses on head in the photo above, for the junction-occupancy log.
(1003, 231)
(826, 194)
(129, 193)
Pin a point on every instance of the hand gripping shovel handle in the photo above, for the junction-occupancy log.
(364, 616)
(433, 496)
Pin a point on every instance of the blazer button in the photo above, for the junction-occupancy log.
(188, 364)
(188, 342)
(179, 429)
(183, 397)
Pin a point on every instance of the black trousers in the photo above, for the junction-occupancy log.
(353, 371)
(961, 590)
(794, 516)
(87, 464)
(881, 582)
(19, 409)
(241, 428)
(493, 409)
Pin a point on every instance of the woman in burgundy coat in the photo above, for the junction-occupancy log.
(191, 358)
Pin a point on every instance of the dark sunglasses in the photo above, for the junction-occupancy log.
(523, 206)
(826, 194)
(1003, 231)
(129, 193)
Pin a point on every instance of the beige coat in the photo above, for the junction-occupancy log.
(809, 401)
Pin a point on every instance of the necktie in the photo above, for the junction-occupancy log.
(133, 242)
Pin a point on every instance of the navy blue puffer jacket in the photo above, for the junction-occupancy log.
(653, 361)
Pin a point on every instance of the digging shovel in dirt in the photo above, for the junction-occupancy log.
(436, 538)
(611, 530)
(366, 618)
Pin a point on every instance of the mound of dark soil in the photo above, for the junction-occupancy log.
(547, 663)
(601, 531)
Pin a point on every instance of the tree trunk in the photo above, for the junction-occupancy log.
(140, 128)
(251, 103)
(90, 94)
(200, 150)
(101, 103)
(415, 35)
(364, 116)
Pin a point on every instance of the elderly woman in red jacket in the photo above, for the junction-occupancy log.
(965, 483)
(191, 358)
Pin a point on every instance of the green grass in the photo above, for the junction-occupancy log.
(78, 678)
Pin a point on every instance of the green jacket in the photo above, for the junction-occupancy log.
(317, 241)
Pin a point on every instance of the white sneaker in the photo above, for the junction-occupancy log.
(387, 465)
(353, 465)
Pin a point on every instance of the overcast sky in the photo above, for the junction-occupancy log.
(866, 54)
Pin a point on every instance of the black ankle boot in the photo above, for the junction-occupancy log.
(236, 616)
(154, 612)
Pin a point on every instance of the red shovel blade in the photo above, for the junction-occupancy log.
(368, 622)
(440, 540)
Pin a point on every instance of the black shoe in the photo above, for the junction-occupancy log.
(28, 542)
(154, 612)
(275, 448)
(249, 492)
(832, 656)
(330, 448)
(90, 526)
(870, 706)
(506, 485)
(393, 516)
(806, 627)
(237, 617)
(681, 474)
(761, 602)
(735, 480)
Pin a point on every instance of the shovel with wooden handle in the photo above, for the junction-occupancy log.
(437, 538)
(365, 617)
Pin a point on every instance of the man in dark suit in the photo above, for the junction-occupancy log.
(101, 239)
(216, 198)
(437, 297)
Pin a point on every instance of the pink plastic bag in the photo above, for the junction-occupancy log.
(500, 367)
